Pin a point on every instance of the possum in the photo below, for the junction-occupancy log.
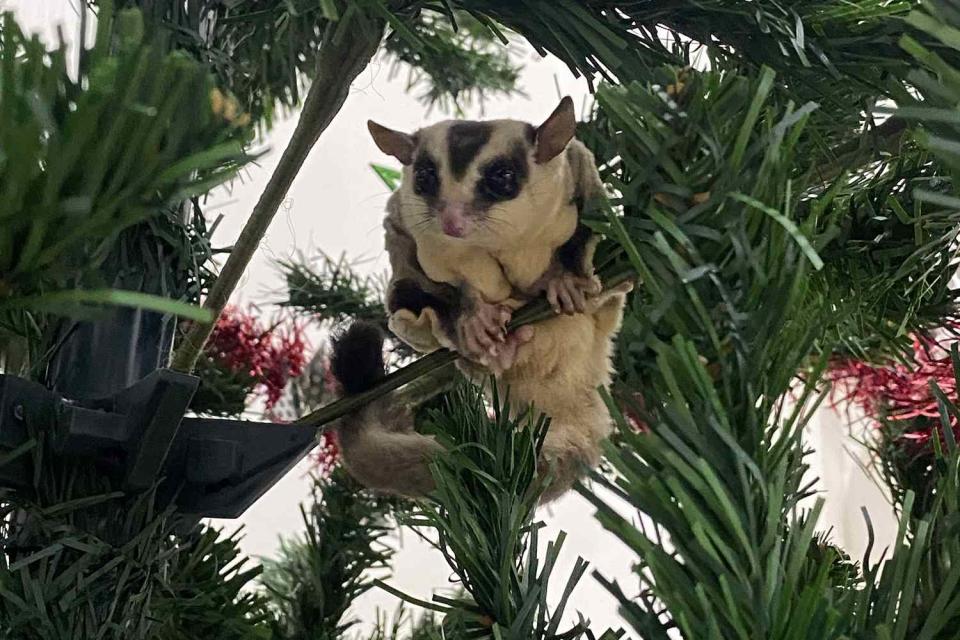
(487, 218)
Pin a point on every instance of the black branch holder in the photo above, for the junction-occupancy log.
(139, 436)
(106, 399)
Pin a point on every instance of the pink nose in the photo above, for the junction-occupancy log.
(453, 228)
(453, 219)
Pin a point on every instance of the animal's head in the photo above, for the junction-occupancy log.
(482, 180)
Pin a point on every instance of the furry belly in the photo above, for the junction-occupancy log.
(561, 369)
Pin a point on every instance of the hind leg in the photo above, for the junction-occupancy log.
(570, 451)
(608, 308)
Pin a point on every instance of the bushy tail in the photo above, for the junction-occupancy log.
(357, 361)
(380, 447)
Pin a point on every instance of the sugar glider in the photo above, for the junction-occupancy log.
(486, 219)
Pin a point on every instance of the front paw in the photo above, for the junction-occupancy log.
(570, 294)
(482, 331)
(484, 340)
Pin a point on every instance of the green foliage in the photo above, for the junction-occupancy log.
(916, 592)
(937, 81)
(454, 60)
(191, 261)
(265, 51)
(481, 519)
(773, 222)
(320, 573)
(694, 181)
(390, 177)
(906, 467)
(82, 560)
(912, 594)
(222, 392)
(93, 171)
(708, 218)
(331, 291)
(99, 156)
(927, 553)
(841, 56)
(208, 591)
(889, 266)
(64, 576)
(426, 627)
(724, 313)
(750, 264)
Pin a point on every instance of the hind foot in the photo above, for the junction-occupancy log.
(570, 294)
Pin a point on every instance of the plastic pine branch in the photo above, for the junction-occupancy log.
(320, 573)
(481, 519)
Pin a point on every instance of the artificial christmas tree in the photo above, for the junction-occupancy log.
(785, 199)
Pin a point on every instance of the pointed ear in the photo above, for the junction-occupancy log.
(393, 143)
(556, 131)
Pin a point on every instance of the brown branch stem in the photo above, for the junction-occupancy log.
(340, 61)
(886, 137)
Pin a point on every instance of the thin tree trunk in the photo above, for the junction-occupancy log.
(339, 63)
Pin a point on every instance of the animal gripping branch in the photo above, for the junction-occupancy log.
(529, 314)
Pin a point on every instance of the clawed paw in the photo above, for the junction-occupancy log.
(481, 330)
(503, 357)
(571, 294)
(483, 337)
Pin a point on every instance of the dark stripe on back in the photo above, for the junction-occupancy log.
(464, 141)
(572, 252)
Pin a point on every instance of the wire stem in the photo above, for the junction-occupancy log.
(341, 60)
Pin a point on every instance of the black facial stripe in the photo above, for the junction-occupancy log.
(531, 133)
(427, 189)
(515, 161)
(572, 252)
(464, 141)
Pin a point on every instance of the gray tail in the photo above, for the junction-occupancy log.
(357, 361)
(380, 446)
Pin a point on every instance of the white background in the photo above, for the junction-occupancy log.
(336, 205)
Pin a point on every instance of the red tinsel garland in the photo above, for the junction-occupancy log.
(271, 357)
(327, 453)
(899, 392)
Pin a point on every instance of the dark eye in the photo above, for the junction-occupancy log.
(425, 180)
(500, 182)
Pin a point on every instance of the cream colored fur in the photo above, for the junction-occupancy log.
(558, 372)
(514, 248)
